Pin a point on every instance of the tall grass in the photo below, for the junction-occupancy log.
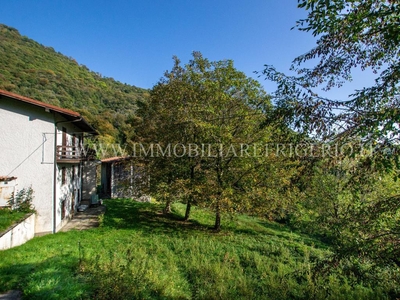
(9, 217)
(138, 253)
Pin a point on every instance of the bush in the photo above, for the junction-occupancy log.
(22, 200)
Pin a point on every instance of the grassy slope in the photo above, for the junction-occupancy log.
(8, 218)
(139, 253)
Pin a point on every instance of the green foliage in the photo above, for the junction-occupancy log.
(39, 72)
(20, 203)
(22, 200)
(358, 219)
(211, 104)
(351, 35)
(354, 209)
(9, 217)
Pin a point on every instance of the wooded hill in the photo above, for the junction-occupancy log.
(39, 72)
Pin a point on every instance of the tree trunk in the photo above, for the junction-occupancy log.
(190, 200)
(217, 225)
(188, 206)
(167, 208)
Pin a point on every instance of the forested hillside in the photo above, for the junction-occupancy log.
(33, 70)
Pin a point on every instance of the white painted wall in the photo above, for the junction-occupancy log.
(27, 152)
(27, 139)
(6, 190)
(69, 191)
(89, 176)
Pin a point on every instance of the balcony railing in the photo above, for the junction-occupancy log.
(69, 154)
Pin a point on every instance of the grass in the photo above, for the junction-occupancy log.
(9, 217)
(138, 253)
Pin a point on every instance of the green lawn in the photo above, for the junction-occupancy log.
(138, 253)
(8, 218)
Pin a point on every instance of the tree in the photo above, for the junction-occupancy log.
(232, 111)
(169, 127)
(220, 113)
(351, 35)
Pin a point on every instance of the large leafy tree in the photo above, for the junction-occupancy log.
(170, 126)
(220, 113)
(352, 35)
(232, 113)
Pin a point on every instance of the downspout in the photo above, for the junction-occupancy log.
(55, 169)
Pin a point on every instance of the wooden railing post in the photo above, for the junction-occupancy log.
(65, 153)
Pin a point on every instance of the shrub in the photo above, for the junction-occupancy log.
(22, 200)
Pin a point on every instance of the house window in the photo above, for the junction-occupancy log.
(63, 175)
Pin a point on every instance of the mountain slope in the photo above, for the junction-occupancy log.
(33, 70)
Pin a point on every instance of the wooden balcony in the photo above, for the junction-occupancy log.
(69, 154)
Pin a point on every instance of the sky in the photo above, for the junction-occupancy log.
(134, 41)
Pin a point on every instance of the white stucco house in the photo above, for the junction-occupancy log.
(41, 147)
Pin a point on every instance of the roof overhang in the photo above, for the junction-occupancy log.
(68, 114)
(116, 159)
(7, 178)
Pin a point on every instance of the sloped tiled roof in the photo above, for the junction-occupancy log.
(7, 178)
(115, 159)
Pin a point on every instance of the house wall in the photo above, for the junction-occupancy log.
(122, 180)
(27, 152)
(68, 188)
(89, 179)
(106, 180)
(6, 189)
(118, 179)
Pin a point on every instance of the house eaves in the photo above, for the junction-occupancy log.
(115, 159)
(68, 114)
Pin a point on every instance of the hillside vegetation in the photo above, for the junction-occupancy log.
(39, 72)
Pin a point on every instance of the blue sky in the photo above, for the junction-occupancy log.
(134, 41)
